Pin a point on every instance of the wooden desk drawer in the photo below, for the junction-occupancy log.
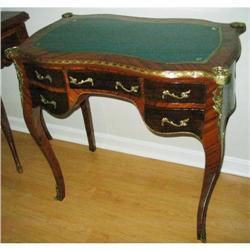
(175, 92)
(175, 120)
(104, 81)
(56, 103)
(49, 77)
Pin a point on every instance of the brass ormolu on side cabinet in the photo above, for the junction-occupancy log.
(222, 77)
(10, 54)
(218, 102)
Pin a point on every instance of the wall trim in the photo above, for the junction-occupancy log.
(194, 158)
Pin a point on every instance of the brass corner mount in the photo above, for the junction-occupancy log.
(10, 53)
(240, 27)
(222, 75)
(67, 15)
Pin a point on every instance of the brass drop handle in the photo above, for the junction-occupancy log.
(74, 81)
(133, 89)
(42, 78)
(46, 102)
(182, 123)
(179, 97)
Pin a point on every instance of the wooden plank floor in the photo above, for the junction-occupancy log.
(114, 197)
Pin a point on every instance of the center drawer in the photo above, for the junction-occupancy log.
(175, 92)
(104, 81)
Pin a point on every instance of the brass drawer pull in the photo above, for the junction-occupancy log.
(182, 123)
(45, 101)
(42, 78)
(132, 89)
(74, 81)
(181, 96)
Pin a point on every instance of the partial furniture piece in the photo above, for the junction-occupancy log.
(13, 33)
(179, 73)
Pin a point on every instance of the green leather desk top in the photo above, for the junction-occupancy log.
(167, 42)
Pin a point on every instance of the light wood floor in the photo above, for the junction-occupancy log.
(114, 197)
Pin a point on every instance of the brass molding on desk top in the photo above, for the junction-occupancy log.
(67, 15)
(239, 26)
(220, 74)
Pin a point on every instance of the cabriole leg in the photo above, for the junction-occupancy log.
(45, 127)
(213, 155)
(85, 107)
(34, 123)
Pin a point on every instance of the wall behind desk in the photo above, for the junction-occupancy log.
(118, 125)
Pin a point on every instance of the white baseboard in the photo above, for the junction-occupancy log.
(231, 165)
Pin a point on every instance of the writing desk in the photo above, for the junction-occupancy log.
(179, 73)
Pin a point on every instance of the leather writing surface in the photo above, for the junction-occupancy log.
(170, 42)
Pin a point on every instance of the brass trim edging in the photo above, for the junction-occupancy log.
(178, 133)
(219, 74)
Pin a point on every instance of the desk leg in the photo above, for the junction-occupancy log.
(45, 127)
(213, 148)
(34, 123)
(8, 134)
(85, 107)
